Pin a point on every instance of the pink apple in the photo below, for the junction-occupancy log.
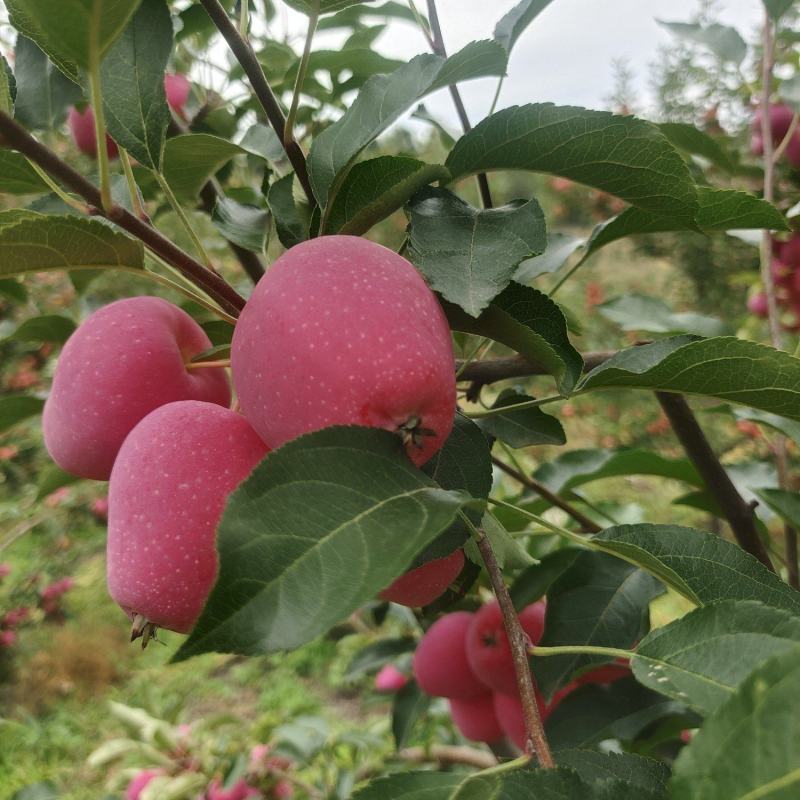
(125, 360)
(511, 717)
(168, 488)
(343, 331)
(8, 638)
(389, 679)
(5, 569)
(177, 88)
(81, 126)
(421, 586)
(240, 790)
(476, 719)
(757, 304)
(99, 509)
(140, 782)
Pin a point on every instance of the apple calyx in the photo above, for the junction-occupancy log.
(143, 629)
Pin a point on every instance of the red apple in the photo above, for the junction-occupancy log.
(476, 719)
(81, 126)
(421, 586)
(177, 89)
(389, 680)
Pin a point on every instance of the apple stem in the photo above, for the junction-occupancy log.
(581, 649)
(500, 410)
(223, 362)
(519, 642)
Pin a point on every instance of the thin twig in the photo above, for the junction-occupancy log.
(540, 489)
(739, 514)
(445, 755)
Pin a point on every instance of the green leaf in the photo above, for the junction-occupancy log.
(352, 17)
(702, 567)
(358, 61)
(54, 478)
(644, 774)
(784, 503)
(509, 552)
(192, 158)
(376, 188)
(291, 218)
(31, 242)
(534, 582)
(17, 176)
(696, 142)
(213, 353)
(639, 312)
(383, 99)
(245, 226)
(8, 87)
(777, 8)
(36, 791)
(43, 93)
(16, 408)
(262, 140)
(702, 658)
(723, 41)
(13, 290)
(581, 145)
(512, 25)
(523, 428)
(324, 6)
(134, 100)
(530, 323)
(410, 704)
(342, 495)
(72, 32)
(375, 655)
(780, 424)
(470, 255)
(731, 369)
(560, 246)
(46, 328)
(599, 601)
(750, 748)
(411, 786)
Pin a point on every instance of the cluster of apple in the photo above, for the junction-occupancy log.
(340, 331)
(786, 276)
(780, 121)
(81, 123)
(466, 657)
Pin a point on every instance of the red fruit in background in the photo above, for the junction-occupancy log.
(139, 782)
(792, 151)
(282, 790)
(5, 569)
(8, 638)
(240, 790)
(8, 452)
(604, 674)
(780, 117)
(15, 617)
(58, 497)
(56, 589)
(343, 331)
(440, 662)
(81, 126)
(421, 586)
(757, 144)
(789, 256)
(124, 361)
(757, 304)
(508, 709)
(389, 679)
(168, 488)
(177, 89)
(476, 719)
(99, 509)
(488, 648)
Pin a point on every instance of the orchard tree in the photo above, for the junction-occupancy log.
(354, 465)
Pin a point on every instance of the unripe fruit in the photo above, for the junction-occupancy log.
(177, 89)
(488, 648)
(389, 679)
(476, 719)
(342, 331)
(139, 783)
(421, 586)
(440, 662)
(81, 126)
(167, 492)
(125, 360)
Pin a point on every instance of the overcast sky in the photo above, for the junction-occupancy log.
(565, 56)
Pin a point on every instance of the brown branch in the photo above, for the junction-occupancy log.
(248, 60)
(500, 369)
(438, 47)
(445, 755)
(14, 135)
(518, 640)
(739, 514)
(540, 489)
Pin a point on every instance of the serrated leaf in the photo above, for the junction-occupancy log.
(784, 503)
(192, 158)
(513, 24)
(43, 93)
(731, 369)
(702, 658)
(291, 219)
(763, 761)
(411, 786)
(580, 144)
(599, 601)
(375, 655)
(383, 99)
(523, 428)
(17, 176)
(16, 408)
(376, 188)
(342, 495)
(560, 246)
(529, 322)
(723, 41)
(467, 254)
(599, 768)
(408, 706)
(132, 72)
(31, 242)
(639, 312)
(45, 328)
(245, 226)
(702, 567)
(534, 582)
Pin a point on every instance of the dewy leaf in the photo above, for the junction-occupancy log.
(134, 100)
(470, 255)
(731, 369)
(245, 226)
(639, 312)
(376, 188)
(529, 322)
(523, 428)
(383, 99)
(702, 567)
(512, 25)
(72, 32)
(192, 158)
(31, 242)
(291, 218)
(625, 156)
(17, 176)
(321, 526)
(16, 408)
(702, 658)
(723, 41)
(43, 93)
(599, 601)
(750, 748)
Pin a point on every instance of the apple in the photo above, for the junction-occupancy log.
(177, 89)
(476, 719)
(421, 586)
(81, 126)
(389, 680)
